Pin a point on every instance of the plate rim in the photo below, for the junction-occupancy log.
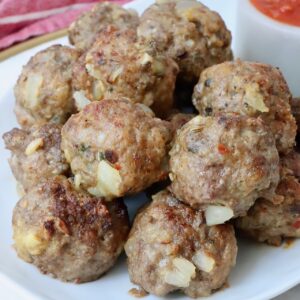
(31, 43)
(7, 281)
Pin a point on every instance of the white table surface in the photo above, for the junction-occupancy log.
(8, 294)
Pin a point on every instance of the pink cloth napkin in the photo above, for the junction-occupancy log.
(22, 19)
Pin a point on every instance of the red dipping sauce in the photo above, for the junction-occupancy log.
(285, 11)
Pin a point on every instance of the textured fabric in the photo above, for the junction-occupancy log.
(22, 19)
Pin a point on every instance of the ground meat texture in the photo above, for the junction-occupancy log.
(171, 248)
(117, 65)
(226, 161)
(116, 147)
(35, 154)
(84, 30)
(292, 162)
(295, 105)
(252, 89)
(189, 32)
(177, 120)
(271, 221)
(67, 233)
(44, 91)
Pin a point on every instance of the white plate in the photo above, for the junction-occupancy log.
(261, 272)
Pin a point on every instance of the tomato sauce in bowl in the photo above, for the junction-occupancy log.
(285, 11)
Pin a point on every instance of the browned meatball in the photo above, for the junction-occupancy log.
(171, 248)
(35, 154)
(116, 148)
(67, 233)
(117, 65)
(44, 91)
(84, 30)
(271, 221)
(189, 32)
(252, 89)
(223, 164)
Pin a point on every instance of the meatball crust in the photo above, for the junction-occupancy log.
(83, 31)
(291, 161)
(227, 160)
(118, 65)
(44, 91)
(295, 106)
(35, 154)
(271, 221)
(116, 147)
(252, 89)
(189, 32)
(170, 247)
(67, 233)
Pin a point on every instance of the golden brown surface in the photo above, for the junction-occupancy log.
(189, 32)
(83, 31)
(35, 154)
(227, 160)
(43, 91)
(271, 221)
(252, 89)
(166, 246)
(118, 65)
(68, 233)
(116, 147)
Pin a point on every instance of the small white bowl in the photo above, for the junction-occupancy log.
(260, 38)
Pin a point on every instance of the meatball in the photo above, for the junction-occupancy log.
(35, 154)
(170, 247)
(222, 164)
(117, 65)
(271, 221)
(116, 147)
(252, 89)
(67, 233)
(44, 91)
(84, 30)
(189, 32)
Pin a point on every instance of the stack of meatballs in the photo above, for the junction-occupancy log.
(99, 122)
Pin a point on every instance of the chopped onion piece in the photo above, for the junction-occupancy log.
(181, 273)
(146, 59)
(93, 71)
(34, 145)
(189, 43)
(77, 180)
(67, 155)
(254, 98)
(203, 261)
(215, 214)
(80, 100)
(30, 242)
(32, 90)
(158, 68)
(98, 89)
(115, 74)
(108, 183)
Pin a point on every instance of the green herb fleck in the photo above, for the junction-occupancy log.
(100, 156)
(83, 148)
